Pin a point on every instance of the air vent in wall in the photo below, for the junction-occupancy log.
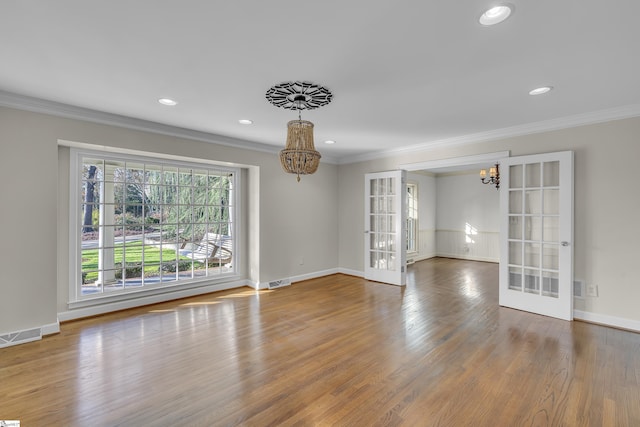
(578, 288)
(20, 337)
(279, 283)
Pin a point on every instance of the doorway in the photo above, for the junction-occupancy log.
(458, 216)
(550, 182)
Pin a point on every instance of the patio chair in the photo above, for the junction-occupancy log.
(213, 249)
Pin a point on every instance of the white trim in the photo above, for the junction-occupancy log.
(76, 300)
(606, 320)
(254, 285)
(314, 275)
(425, 256)
(468, 257)
(152, 299)
(75, 256)
(299, 278)
(37, 105)
(101, 149)
(455, 161)
(51, 328)
(462, 231)
(351, 272)
(170, 287)
(416, 229)
(617, 113)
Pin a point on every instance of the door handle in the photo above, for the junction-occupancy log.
(565, 243)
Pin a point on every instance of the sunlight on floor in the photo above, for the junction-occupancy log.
(187, 304)
(247, 294)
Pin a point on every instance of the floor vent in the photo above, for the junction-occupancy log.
(15, 338)
(578, 288)
(279, 283)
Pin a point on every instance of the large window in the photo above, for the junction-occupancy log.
(143, 223)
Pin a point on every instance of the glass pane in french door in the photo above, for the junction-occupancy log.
(533, 228)
(382, 251)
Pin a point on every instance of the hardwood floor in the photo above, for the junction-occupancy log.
(334, 351)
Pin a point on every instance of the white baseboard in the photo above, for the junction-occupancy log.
(152, 299)
(51, 328)
(299, 278)
(254, 285)
(423, 257)
(314, 275)
(468, 258)
(603, 319)
(351, 272)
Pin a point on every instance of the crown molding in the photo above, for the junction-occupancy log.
(38, 105)
(58, 109)
(454, 162)
(576, 120)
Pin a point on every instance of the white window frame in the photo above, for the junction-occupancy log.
(76, 299)
(412, 222)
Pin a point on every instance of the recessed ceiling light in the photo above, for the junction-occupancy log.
(496, 14)
(540, 90)
(329, 141)
(167, 101)
(245, 121)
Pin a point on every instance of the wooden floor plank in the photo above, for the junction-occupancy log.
(333, 351)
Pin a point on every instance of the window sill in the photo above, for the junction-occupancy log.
(133, 295)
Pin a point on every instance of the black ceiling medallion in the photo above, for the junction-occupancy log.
(299, 95)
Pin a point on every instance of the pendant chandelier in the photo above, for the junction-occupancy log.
(299, 157)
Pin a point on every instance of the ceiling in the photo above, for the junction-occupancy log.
(403, 74)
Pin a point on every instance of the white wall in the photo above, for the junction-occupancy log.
(28, 175)
(294, 219)
(467, 217)
(426, 214)
(606, 209)
(446, 204)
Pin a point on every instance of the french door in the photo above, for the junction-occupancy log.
(385, 227)
(536, 253)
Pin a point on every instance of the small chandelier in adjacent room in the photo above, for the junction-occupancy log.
(493, 178)
(299, 156)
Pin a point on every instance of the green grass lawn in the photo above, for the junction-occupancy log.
(133, 252)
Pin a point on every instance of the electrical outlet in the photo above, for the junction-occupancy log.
(592, 290)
